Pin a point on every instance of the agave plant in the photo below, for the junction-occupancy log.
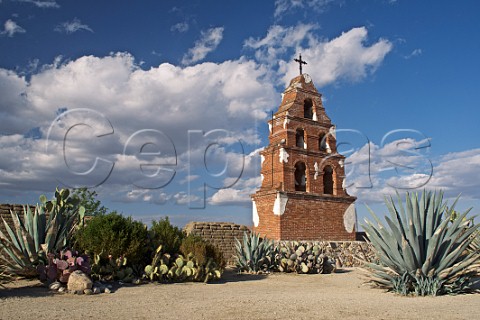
(35, 235)
(254, 254)
(423, 250)
(4, 276)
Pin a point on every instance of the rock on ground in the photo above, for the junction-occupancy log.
(79, 281)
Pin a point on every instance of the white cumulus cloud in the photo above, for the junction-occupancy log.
(122, 101)
(207, 43)
(346, 57)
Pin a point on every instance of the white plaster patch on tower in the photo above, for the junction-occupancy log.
(280, 204)
(283, 155)
(333, 131)
(316, 171)
(343, 184)
(304, 145)
(262, 176)
(341, 163)
(297, 85)
(270, 127)
(286, 121)
(327, 147)
(314, 118)
(262, 158)
(256, 218)
(349, 218)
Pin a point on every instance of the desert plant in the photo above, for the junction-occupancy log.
(5, 277)
(254, 254)
(168, 236)
(423, 250)
(201, 250)
(178, 268)
(60, 266)
(301, 258)
(110, 269)
(113, 235)
(159, 267)
(188, 269)
(35, 235)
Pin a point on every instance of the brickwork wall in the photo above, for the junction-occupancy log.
(220, 234)
(306, 217)
(269, 224)
(282, 175)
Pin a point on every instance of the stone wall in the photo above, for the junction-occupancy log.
(223, 234)
(220, 234)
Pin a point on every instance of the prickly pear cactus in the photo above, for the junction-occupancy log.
(165, 268)
(60, 266)
(301, 258)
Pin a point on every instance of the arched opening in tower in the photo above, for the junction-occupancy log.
(308, 109)
(328, 180)
(300, 177)
(322, 142)
(299, 138)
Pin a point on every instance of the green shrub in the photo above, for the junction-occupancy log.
(114, 235)
(201, 250)
(168, 236)
(88, 199)
(423, 249)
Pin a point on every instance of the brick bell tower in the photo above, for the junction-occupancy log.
(303, 194)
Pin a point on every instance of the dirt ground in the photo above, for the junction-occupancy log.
(277, 296)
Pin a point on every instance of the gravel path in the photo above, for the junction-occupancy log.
(277, 296)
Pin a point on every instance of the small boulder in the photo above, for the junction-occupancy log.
(88, 291)
(79, 281)
(55, 285)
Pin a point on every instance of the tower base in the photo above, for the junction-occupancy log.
(299, 216)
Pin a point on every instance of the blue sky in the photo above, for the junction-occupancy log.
(400, 79)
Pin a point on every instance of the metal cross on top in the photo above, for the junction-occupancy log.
(300, 62)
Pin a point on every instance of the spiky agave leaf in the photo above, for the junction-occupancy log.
(254, 254)
(422, 245)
